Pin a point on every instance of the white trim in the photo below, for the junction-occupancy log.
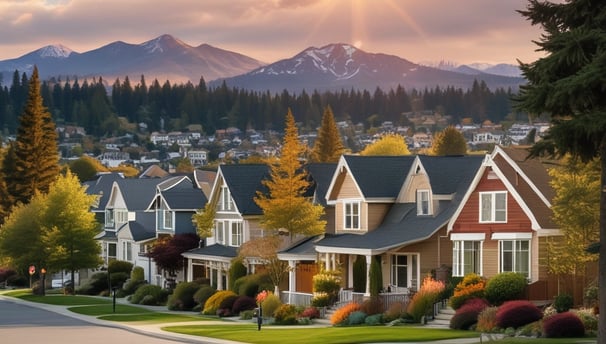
(511, 236)
(342, 167)
(467, 236)
(349, 250)
(297, 257)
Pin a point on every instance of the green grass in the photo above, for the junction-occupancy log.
(335, 335)
(63, 300)
(519, 340)
(155, 318)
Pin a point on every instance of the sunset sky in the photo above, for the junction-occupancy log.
(463, 31)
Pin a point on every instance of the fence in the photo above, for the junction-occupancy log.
(296, 298)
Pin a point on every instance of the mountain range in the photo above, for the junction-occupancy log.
(331, 67)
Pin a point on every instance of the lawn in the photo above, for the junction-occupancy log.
(336, 335)
(104, 309)
(155, 318)
(61, 300)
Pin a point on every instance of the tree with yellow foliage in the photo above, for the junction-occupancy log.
(449, 141)
(389, 144)
(285, 208)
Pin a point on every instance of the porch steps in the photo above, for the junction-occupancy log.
(442, 319)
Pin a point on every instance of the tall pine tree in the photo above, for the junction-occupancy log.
(36, 154)
(286, 207)
(328, 146)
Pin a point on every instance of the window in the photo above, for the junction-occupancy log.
(121, 215)
(219, 233)
(352, 215)
(225, 201)
(127, 253)
(236, 234)
(109, 218)
(493, 206)
(111, 251)
(423, 202)
(168, 219)
(399, 271)
(466, 257)
(515, 256)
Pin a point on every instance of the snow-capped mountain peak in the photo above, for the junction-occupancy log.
(162, 44)
(56, 50)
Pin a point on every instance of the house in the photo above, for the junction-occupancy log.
(128, 226)
(505, 222)
(176, 200)
(394, 209)
(236, 221)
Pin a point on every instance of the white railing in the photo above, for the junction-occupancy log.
(347, 296)
(296, 298)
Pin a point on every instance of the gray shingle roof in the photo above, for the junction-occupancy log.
(102, 186)
(183, 195)
(379, 176)
(244, 181)
(402, 225)
(305, 246)
(216, 250)
(321, 175)
(143, 228)
(138, 193)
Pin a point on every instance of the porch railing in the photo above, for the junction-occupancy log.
(347, 296)
(296, 298)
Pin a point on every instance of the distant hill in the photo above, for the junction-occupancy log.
(162, 58)
(342, 66)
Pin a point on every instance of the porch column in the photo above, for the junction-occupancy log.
(333, 261)
(292, 279)
(349, 271)
(209, 268)
(368, 260)
(190, 270)
(223, 266)
(219, 277)
(327, 261)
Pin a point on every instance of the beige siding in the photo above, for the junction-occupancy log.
(490, 254)
(349, 189)
(375, 213)
(408, 193)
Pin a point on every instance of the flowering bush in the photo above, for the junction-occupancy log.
(285, 315)
(487, 320)
(311, 313)
(213, 303)
(423, 300)
(565, 324)
(262, 296)
(270, 304)
(517, 313)
(589, 319)
(340, 316)
(472, 286)
(467, 315)
(326, 286)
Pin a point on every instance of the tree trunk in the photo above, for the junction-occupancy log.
(602, 259)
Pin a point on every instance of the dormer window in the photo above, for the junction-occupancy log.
(423, 202)
(225, 201)
(493, 206)
(352, 215)
(165, 216)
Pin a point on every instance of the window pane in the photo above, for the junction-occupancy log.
(486, 207)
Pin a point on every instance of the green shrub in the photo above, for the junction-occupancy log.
(94, 285)
(203, 294)
(505, 286)
(359, 274)
(213, 303)
(246, 315)
(117, 279)
(149, 295)
(182, 298)
(285, 315)
(356, 318)
(395, 311)
(563, 303)
(326, 286)
(589, 319)
(236, 270)
(120, 266)
(270, 305)
(375, 276)
(471, 286)
(372, 306)
(130, 287)
(321, 300)
(137, 274)
(375, 319)
(251, 285)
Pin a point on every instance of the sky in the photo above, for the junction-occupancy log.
(422, 31)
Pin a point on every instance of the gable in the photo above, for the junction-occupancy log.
(347, 188)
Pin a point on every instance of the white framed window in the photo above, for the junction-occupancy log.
(127, 252)
(423, 202)
(236, 233)
(168, 219)
(111, 251)
(466, 257)
(226, 203)
(514, 256)
(109, 218)
(220, 232)
(351, 211)
(493, 206)
(121, 216)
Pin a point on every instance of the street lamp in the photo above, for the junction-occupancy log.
(43, 273)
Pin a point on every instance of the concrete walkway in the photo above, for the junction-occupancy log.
(155, 329)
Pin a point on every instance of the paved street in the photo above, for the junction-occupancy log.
(22, 323)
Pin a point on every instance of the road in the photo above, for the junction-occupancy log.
(21, 323)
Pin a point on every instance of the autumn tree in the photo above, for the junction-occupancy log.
(266, 249)
(449, 141)
(36, 154)
(576, 212)
(389, 144)
(285, 206)
(167, 250)
(86, 167)
(204, 220)
(70, 226)
(567, 83)
(328, 146)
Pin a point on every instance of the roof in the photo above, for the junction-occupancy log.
(305, 246)
(402, 225)
(181, 194)
(392, 170)
(243, 181)
(321, 175)
(153, 171)
(102, 186)
(143, 228)
(138, 193)
(536, 169)
(215, 250)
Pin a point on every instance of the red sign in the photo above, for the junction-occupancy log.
(32, 269)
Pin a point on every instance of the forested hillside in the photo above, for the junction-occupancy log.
(96, 106)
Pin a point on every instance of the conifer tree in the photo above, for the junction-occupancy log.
(449, 141)
(286, 207)
(328, 146)
(36, 162)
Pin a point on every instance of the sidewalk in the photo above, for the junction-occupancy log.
(155, 330)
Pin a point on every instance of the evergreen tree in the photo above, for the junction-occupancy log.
(286, 207)
(36, 153)
(449, 141)
(568, 84)
(328, 146)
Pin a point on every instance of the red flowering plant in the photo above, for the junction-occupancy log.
(262, 296)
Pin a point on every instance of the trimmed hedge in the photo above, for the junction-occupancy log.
(243, 303)
(213, 303)
(182, 298)
(467, 315)
(506, 286)
(149, 295)
(566, 324)
(517, 313)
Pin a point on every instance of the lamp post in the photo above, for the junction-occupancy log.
(32, 271)
(43, 286)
